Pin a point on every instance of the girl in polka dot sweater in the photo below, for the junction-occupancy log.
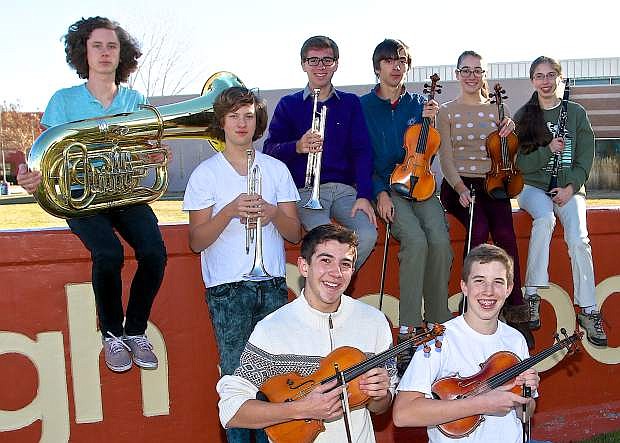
(464, 124)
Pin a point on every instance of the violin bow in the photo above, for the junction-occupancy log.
(344, 399)
(388, 227)
(469, 232)
(527, 424)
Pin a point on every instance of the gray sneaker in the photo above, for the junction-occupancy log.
(116, 352)
(404, 358)
(141, 350)
(534, 302)
(593, 324)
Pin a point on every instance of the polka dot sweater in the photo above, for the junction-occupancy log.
(464, 130)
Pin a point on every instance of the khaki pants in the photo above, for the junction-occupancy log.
(425, 259)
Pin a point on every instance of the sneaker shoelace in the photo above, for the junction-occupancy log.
(598, 322)
(533, 302)
(142, 342)
(116, 343)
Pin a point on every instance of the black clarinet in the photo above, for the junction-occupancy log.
(560, 131)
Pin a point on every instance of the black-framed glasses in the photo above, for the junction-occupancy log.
(466, 71)
(551, 76)
(326, 61)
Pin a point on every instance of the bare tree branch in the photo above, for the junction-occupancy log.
(164, 68)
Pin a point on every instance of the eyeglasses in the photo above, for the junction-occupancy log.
(390, 61)
(326, 61)
(466, 71)
(549, 76)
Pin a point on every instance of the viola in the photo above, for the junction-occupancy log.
(413, 178)
(504, 180)
(346, 361)
(500, 368)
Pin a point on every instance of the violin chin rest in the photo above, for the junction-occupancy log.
(498, 194)
(401, 189)
(261, 396)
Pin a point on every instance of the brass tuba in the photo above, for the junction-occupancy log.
(108, 162)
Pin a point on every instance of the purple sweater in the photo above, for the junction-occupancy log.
(347, 151)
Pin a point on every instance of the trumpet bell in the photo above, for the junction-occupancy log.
(313, 203)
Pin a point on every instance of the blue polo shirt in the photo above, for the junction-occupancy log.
(77, 103)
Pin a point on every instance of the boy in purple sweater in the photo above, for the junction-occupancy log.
(347, 156)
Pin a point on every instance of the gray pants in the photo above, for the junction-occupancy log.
(573, 218)
(337, 200)
(425, 258)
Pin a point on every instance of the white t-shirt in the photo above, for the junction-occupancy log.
(462, 352)
(215, 183)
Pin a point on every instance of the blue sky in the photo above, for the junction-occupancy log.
(260, 40)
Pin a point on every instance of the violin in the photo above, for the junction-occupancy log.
(504, 180)
(344, 363)
(500, 369)
(413, 178)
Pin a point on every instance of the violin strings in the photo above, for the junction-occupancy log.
(510, 373)
(370, 363)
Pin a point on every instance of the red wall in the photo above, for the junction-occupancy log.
(580, 396)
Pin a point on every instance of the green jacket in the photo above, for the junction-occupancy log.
(577, 156)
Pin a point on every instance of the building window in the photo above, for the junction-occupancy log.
(605, 173)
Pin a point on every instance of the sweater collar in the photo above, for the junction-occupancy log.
(321, 320)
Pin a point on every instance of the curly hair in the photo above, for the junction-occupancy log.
(232, 99)
(75, 47)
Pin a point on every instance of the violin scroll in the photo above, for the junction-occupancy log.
(434, 87)
(570, 343)
(498, 95)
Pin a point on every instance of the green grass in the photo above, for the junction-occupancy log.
(612, 437)
(30, 215)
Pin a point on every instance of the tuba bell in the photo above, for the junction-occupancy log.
(108, 162)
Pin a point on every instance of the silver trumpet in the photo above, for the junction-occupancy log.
(313, 167)
(253, 228)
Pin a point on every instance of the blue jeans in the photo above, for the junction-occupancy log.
(137, 225)
(235, 309)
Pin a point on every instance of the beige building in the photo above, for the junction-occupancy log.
(595, 85)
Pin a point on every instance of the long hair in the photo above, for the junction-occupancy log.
(484, 90)
(530, 123)
(75, 47)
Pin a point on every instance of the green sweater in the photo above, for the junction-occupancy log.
(577, 156)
